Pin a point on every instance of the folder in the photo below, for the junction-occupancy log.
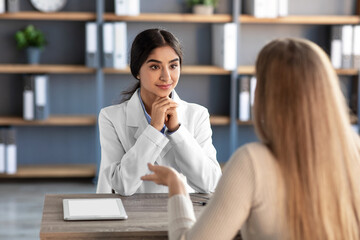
(91, 58)
(2, 150)
(2, 6)
(127, 7)
(108, 45)
(244, 98)
(121, 7)
(283, 8)
(13, 6)
(223, 45)
(120, 50)
(335, 52)
(346, 40)
(262, 8)
(28, 98)
(356, 47)
(41, 97)
(253, 82)
(11, 151)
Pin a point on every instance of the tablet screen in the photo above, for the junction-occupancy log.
(93, 209)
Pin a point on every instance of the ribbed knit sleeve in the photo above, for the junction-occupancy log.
(227, 210)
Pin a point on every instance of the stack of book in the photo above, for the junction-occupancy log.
(266, 8)
(8, 152)
(247, 85)
(345, 46)
(35, 97)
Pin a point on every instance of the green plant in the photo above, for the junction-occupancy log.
(202, 2)
(30, 37)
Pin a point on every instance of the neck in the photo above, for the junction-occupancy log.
(148, 100)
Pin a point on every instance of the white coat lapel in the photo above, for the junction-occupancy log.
(135, 115)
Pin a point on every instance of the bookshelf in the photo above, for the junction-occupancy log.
(102, 75)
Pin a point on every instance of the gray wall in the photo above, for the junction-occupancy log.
(75, 93)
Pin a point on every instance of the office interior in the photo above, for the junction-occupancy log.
(61, 154)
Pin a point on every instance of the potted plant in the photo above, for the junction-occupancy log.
(203, 6)
(33, 40)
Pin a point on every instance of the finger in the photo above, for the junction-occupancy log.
(149, 177)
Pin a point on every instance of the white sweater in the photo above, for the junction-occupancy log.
(248, 197)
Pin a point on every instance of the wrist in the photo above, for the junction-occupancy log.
(176, 185)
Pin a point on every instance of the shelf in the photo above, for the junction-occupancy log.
(45, 68)
(250, 70)
(219, 120)
(194, 70)
(245, 123)
(63, 16)
(51, 121)
(54, 171)
(321, 20)
(176, 17)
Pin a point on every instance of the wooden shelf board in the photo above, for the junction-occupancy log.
(195, 70)
(348, 72)
(55, 120)
(245, 122)
(322, 20)
(250, 70)
(44, 68)
(63, 16)
(175, 17)
(219, 120)
(53, 171)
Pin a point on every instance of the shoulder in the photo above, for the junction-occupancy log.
(113, 111)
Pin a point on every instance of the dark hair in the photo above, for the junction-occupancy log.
(143, 44)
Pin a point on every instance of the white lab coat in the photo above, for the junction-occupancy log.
(129, 142)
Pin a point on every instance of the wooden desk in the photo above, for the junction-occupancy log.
(147, 214)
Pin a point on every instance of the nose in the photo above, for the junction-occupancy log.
(165, 75)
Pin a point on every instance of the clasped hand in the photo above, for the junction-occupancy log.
(163, 111)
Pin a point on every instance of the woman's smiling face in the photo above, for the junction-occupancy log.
(160, 73)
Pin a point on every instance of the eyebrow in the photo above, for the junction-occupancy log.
(157, 61)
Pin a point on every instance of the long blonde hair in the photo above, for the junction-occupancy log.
(301, 115)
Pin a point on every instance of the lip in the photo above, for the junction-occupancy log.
(164, 86)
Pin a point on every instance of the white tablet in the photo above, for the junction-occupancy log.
(93, 209)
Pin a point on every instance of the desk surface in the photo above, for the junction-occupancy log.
(147, 218)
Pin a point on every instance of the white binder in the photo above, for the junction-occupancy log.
(244, 98)
(127, 7)
(41, 97)
(29, 98)
(91, 57)
(223, 45)
(108, 45)
(2, 6)
(2, 150)
(356, 47)
(347, 38)
(283, 7)
(336, 52)
(120, 50)
(11, 151)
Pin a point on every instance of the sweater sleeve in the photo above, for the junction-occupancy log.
(227, 210)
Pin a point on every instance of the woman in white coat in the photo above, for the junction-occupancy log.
(153, 125)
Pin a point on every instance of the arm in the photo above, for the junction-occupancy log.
(196, 155)
(120, 169)
(227, 210)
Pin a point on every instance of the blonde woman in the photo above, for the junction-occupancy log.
(303, 180)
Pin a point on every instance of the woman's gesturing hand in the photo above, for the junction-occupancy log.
(163, 111)
(166, 176)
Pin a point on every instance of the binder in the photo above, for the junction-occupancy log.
(91, 58)
(108, 45)
(41, 97)
(262, 8)
(11, 151)
(272, 9)
(133, 7)
(253, 82)
(28, 98)
(283, 8)
(2, 150)
(356, 47)
(336, 48)
(127, 7)
(346, 39)
(244, 98)
(2, 6)
(223, 45)
(13, 6)
(121, 7)
(120, 43)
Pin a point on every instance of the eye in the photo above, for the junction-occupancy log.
(174, 66)
(154, 67)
